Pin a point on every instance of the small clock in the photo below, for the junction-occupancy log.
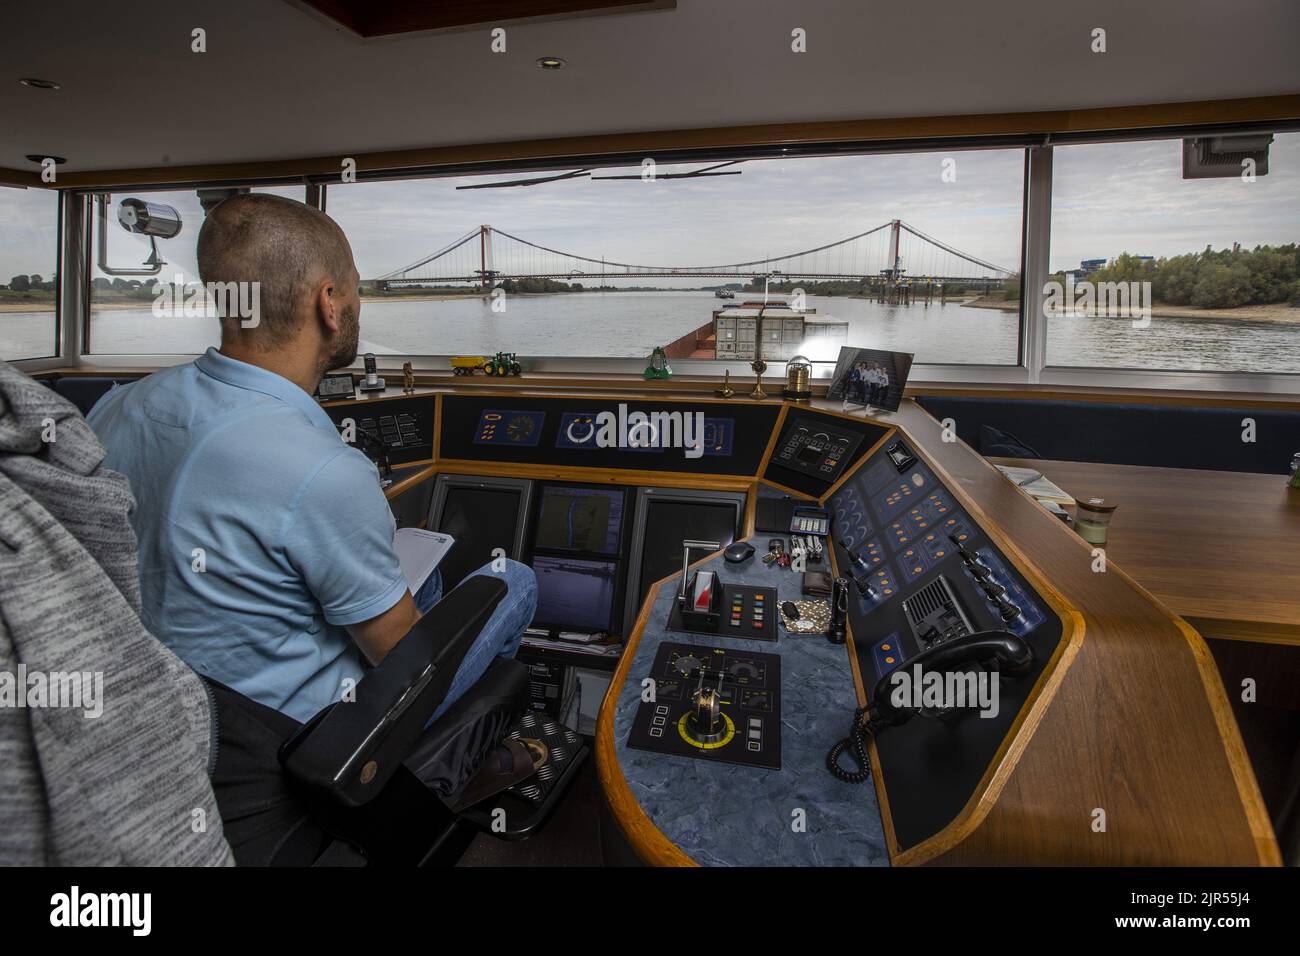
(334, 386)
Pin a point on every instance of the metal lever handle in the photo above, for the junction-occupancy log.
(687, 547)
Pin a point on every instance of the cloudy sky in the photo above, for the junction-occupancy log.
(1107, 199)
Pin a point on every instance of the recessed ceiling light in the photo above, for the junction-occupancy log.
(550, 63)
(39, 84)
(42, 157)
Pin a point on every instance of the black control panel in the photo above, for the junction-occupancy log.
(712, 703)
(931, 575)
(400, 429)
(816, 448)
(597, 432)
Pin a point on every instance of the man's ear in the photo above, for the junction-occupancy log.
(328, 309)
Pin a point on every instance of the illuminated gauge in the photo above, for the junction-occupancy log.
(743, 669)
(643, 435)
(581, 430)
(668, 689)
(687, 665)
(520, 428)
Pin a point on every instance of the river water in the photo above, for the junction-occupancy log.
(631, 324)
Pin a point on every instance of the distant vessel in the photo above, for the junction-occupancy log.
(724, 294)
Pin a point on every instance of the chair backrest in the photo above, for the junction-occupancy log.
(85, 390)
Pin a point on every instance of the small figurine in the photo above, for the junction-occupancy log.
(658, 367)
(408, 375)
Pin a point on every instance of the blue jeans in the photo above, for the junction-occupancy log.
(501, 634)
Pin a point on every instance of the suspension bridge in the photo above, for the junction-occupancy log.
(890, 255)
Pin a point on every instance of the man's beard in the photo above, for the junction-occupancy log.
(345, 347)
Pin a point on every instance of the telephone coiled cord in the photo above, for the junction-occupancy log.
(856, 744)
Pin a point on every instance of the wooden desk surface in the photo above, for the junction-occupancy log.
(1220, 549)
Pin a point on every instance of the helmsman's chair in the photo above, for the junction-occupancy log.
(365, 781)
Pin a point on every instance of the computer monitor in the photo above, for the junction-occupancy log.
(575, 593)
(664, 518)
(482, 514)
(572, 518)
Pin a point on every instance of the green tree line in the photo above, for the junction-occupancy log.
(31, 283)
(1211, 279)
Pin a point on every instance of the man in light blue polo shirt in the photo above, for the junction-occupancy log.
(266, 543)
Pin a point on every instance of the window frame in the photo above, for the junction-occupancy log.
(39, 362)
(1030, 370)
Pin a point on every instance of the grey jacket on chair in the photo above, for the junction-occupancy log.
(105, 735)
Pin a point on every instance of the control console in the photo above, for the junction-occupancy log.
(712, 703)
(817, 448)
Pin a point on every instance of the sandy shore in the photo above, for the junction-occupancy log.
(26, 307)
(1273, 312)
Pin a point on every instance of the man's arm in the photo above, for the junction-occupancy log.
(379, 635)
(341, 542)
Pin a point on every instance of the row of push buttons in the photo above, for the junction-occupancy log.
(755, 741)
(738, 607)
(658, 721)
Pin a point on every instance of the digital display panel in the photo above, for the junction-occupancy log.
(575, 593)
(580, 519)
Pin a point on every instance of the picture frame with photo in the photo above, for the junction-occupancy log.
(870, 378)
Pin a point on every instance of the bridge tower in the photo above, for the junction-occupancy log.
(487, 271)
(895, 260)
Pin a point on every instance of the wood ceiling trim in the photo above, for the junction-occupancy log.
(1151, 116)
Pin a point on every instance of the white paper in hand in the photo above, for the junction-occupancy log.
(419, 552)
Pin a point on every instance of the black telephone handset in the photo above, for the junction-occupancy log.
(1011, 652)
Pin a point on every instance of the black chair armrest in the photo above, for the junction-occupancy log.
(350, 750)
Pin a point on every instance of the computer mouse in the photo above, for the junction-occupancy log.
(740, 551)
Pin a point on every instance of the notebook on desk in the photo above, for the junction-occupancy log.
(1037, 485)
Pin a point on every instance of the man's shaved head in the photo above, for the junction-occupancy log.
(289, 249)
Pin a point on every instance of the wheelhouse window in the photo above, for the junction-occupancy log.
(1209, 267)
(144, 267)
(916, 252)
(29, 228)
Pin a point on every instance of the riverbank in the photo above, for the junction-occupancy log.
(1273, 312)
(111, 305)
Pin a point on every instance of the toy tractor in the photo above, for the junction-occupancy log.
(502, 364)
